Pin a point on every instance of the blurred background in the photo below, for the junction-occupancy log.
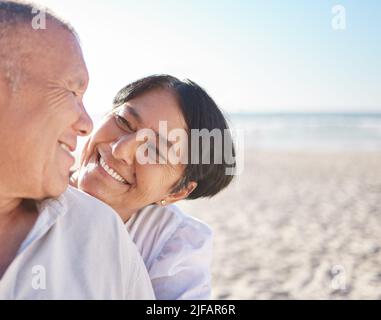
(302, 78)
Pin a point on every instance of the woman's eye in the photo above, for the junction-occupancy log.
(123, 123)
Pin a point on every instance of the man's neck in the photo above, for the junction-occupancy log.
(17, 217)
(11, 208)
(8, 208)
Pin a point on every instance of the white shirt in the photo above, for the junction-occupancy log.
(77, 249)
(176, 249)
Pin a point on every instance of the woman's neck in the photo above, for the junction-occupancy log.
(126, 215)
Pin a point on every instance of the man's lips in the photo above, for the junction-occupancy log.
(68, 152)
(70, 147)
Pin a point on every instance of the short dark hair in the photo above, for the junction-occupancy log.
(200, 112)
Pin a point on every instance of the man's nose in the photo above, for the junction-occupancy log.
(84, 125)
(124, 148)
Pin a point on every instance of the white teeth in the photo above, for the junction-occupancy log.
(65, 147)
(111, 172)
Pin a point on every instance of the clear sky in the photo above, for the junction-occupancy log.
(251, 56)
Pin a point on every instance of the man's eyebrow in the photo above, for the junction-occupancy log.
(138, 118)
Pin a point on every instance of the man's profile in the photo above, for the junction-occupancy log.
(76, 241)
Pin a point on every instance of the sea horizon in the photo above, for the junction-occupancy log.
(300, 131)
(316, 131)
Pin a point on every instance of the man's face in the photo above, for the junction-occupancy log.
(43, 118)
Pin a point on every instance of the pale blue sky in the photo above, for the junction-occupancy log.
(252, 56)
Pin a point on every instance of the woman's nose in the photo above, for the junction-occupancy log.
(124, 148)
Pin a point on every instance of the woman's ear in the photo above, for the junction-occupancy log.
(179, 195)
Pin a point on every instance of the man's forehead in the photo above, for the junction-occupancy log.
(57, 52)
(40, 56)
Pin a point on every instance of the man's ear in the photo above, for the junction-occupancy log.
(179, 195)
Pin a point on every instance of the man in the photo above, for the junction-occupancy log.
(55, 242)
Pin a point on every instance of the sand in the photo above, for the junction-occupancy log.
(297, 225)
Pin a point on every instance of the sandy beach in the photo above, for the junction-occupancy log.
(298, 225)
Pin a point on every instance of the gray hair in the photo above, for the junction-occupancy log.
(15, 20)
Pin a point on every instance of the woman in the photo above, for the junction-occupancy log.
(175, 247)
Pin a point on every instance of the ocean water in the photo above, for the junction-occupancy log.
(320, 131)
(292, 131)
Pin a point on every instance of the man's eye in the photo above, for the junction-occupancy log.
(123, 123)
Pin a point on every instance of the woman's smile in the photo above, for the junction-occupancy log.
(112, 173)
(100, 165)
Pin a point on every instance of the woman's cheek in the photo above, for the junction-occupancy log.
(149, 175)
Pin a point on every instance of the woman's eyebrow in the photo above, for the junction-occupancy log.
(134, 114)
(138, 118)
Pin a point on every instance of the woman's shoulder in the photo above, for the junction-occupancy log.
(169, 219)
(156, 230)
(190, 228)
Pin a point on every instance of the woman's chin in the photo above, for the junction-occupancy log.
(91, 190)
(85, 184)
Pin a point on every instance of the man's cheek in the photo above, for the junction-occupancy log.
(60, 103)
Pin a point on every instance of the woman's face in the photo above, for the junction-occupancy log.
(109, 168)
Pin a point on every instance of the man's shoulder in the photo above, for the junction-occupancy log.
(87, 241)
(76, 199)
(84, 209)
(87, 217)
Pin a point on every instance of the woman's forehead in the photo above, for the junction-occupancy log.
(154, 106)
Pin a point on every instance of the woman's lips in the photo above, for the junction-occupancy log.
(110, 172)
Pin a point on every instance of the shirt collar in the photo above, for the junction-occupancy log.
(49, 210)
